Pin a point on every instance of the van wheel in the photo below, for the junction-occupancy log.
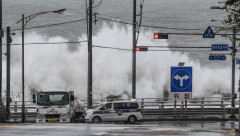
(96, 120)
(132, 119)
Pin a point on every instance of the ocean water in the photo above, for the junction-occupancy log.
(64, 66)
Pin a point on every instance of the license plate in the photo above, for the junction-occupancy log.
(52, 120)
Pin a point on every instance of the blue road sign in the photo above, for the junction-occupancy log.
(181, 79)
(237, 61)
(219, 47)
(217, 57)
(208, 33)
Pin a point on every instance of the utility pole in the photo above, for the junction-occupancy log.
(1, 48)
(23, 104)
(8, 100)
(239, 104)
(89, 93)
(134, 51)
(233, 74)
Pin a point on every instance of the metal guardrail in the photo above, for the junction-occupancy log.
(198, 108)
(16, 111)
(163, 108)
(197, 111)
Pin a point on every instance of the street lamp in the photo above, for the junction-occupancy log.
(25, 21)
(233, 54)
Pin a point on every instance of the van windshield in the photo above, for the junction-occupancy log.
(52, 98)
(97, 107)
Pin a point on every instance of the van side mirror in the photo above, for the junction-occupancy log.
(34, 98)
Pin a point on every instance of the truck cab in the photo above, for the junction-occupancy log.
(58, 106)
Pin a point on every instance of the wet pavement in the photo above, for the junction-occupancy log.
(149, 128)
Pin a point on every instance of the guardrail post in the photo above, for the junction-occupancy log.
(15, 107)
(186, 108)
(160, 108)
(175, 106)
(26, 114)
(202, 100)
(181, 110)
(223, 111)
(222, 102)
(202, 111)
(15, 111)
(142, 101)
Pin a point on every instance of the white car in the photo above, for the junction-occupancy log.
(127, 111)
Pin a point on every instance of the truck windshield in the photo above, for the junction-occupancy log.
(52, 98)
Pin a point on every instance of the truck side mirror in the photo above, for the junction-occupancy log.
(72, 97)
(34, 98)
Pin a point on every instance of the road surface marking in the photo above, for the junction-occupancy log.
(7, 126)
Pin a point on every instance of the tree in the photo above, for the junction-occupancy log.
(232, 7)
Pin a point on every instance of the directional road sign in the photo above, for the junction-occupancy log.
(238, 61)
(181, 83)
(219, 47)
(208, 33)
(217, 57)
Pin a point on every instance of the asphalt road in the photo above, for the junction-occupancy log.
(155, 128)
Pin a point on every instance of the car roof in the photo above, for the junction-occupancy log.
(54, 90)
(122, 102)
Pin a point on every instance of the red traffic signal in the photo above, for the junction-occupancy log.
(160, 36)
(142, 48)
(156, 36)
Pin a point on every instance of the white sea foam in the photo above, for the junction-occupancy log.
(54, 66)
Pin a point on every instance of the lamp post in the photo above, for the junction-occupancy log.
(233, 54)
(25, 21)
(134, 50)
(1, 35)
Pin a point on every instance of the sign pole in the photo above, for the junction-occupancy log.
(233, 74)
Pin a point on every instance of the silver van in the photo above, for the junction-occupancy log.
(127, 111)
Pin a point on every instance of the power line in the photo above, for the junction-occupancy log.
(118, 18)
(183, 50)
(168, 28)
(140, 20)
(114, 21)
(125, 49)
(169, 47)
(51, 24)
(195, 34)
(49, 43)
(106, 47)
(184, 47)
(122, 23)
(98, 4)
(171, 28)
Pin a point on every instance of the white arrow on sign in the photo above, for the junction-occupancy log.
(177, 77)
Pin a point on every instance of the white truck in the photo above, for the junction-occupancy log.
(58, 106)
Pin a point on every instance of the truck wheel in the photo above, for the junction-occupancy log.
(132, 119)
(82, 119)
(96, 120)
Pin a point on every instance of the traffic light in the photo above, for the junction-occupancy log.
(143, 48)
(160, 36)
